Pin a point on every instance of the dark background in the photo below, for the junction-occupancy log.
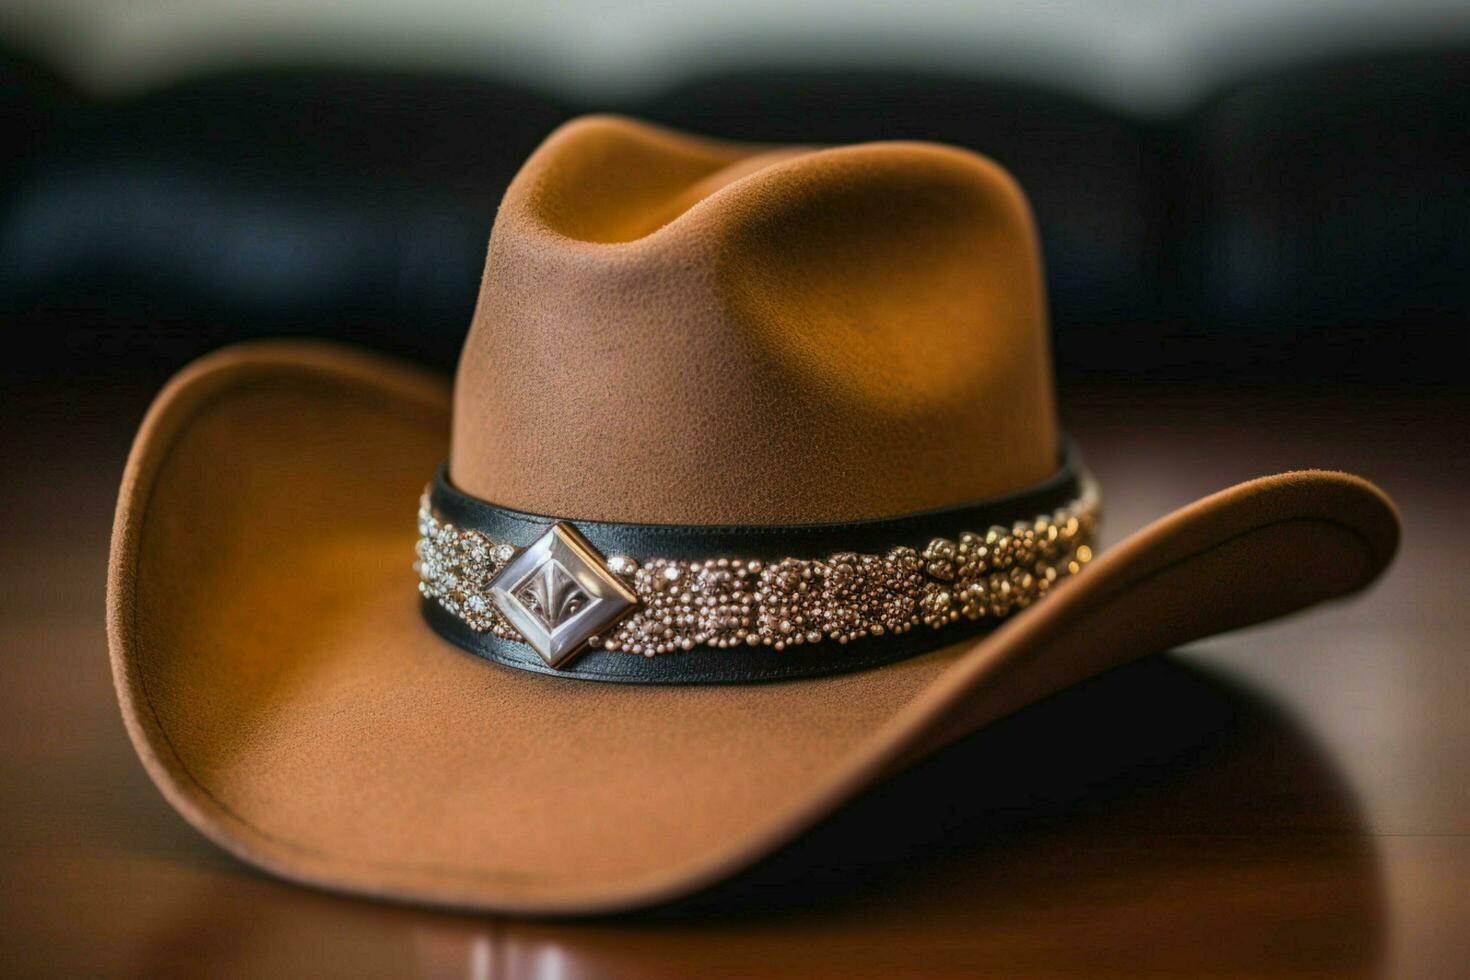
(1302, 220)
(1257, 261)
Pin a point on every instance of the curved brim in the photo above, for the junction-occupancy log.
(283, 692)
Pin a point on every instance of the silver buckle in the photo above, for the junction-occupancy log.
(558, 593)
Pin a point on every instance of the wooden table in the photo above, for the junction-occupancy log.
(1292, 800)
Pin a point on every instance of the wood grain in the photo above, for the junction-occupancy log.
(1290, 801)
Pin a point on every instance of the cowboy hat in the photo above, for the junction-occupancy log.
(749, 491)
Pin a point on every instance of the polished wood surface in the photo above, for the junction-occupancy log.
(1293, 800)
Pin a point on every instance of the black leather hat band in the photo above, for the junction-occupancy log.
(696, 604)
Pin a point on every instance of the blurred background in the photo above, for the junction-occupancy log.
(1262, 189)
(1254, 216)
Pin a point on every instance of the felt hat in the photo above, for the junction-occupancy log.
(748, 492)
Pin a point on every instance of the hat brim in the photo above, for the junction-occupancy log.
(285, 695)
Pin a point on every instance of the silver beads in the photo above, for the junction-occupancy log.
(726, 603)
(455, 567)
(622, 565)
(687, 604)
(1007, 569)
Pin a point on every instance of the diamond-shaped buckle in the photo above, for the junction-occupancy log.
(558, 593)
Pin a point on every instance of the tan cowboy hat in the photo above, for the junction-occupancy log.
(749, 492)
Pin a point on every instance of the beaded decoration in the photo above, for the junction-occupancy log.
(728, 602)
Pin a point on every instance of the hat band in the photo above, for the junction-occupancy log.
(696, 604)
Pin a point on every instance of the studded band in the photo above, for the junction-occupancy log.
(700, 604)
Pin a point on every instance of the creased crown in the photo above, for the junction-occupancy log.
(678, 330)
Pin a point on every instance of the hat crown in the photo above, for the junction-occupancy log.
(678, 330)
